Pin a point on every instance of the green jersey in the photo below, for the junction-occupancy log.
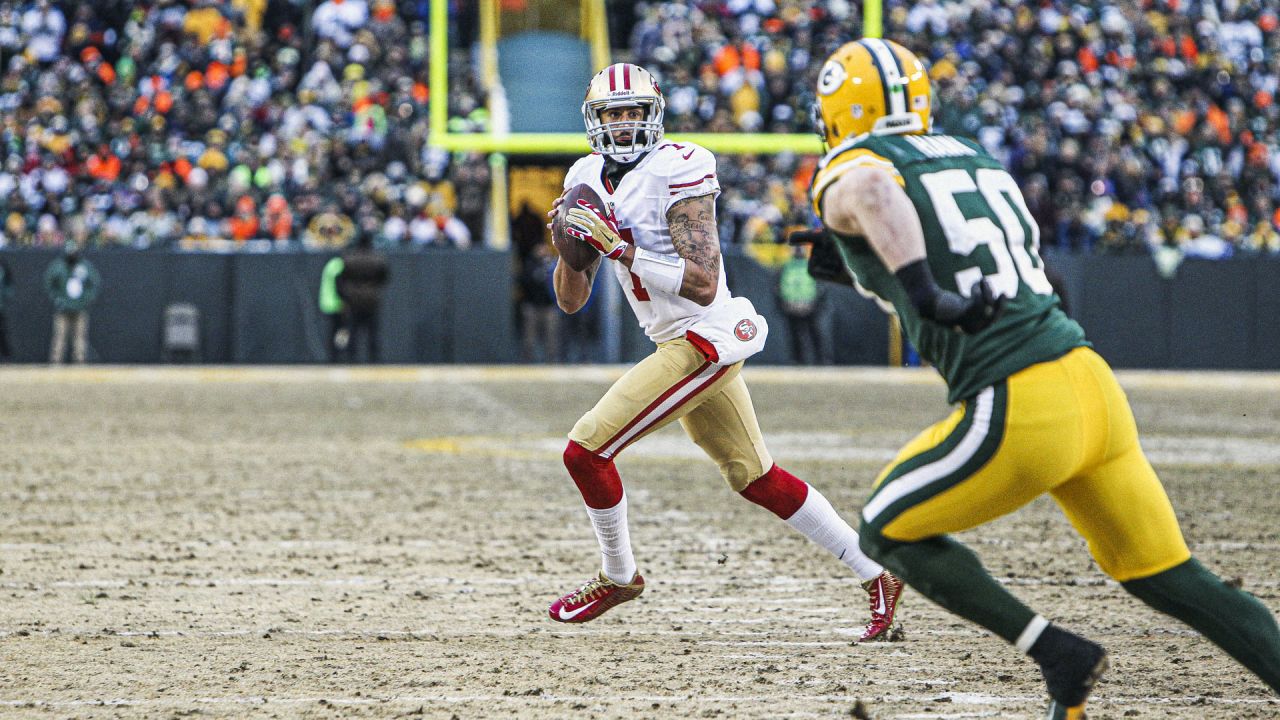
(976, 225)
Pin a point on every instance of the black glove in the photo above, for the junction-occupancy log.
(806, 237)
(969, 315)
(825, 262)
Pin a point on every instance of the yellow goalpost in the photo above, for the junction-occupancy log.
(498, 145)
(576, 143)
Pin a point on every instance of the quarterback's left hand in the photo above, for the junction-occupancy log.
(596, 229)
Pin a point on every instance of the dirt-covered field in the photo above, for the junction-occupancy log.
(384, 543)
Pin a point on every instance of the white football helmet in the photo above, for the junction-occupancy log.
(623, 85)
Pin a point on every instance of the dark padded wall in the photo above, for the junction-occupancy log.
(1123, 306)
(859, 329)
(1265, 326)
(446, 306)
(1209, 311)
(204, 281)
(124, 326)
(440, 306)
(29, 311)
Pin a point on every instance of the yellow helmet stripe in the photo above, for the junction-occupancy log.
(886, 63)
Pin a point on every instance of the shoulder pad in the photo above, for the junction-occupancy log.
(842, 159)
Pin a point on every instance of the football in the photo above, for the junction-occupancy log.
(573, 251)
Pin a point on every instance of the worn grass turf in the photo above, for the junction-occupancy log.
(384, 543)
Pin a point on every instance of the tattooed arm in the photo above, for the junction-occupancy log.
(697, 240)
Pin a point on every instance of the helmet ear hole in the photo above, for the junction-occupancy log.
(815, 120)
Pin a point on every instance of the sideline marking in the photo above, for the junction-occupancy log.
(841, 448)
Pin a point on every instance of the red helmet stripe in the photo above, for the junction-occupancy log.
(626, 77)
(612, 84)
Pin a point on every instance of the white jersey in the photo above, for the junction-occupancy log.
(667, 174)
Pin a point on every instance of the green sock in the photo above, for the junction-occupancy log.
(1233, 619)
(949, 574)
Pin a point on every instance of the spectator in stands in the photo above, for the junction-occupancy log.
(360, 284)
(1107, 109)
(206, 102)
(434, 226)
(330, 229)
(277, 220)
(244, 224)
(72, 284)
(43, 25)
(472, 184)
(156, 226)
(339, 20)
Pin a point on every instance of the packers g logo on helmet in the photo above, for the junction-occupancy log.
(871, 86)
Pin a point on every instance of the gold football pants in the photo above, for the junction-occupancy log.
(677, 382)
(1063, 427)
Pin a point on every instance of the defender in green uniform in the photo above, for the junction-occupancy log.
(938, 232)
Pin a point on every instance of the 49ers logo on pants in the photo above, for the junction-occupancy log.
(745, 330)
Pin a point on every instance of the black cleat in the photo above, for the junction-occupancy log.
(1071, 665)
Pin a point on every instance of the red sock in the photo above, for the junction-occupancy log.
(778, 491)
(597, 478)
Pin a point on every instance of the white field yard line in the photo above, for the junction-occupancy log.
(773, 585)
(79, 547)
(453, 374)
(746, 638)
(962, 699)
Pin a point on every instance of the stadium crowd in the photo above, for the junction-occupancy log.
(192, 122)
(1131, 126)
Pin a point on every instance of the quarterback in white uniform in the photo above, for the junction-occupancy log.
(658, 233)
(669, 174)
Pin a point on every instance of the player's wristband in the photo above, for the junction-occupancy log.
(921, 288)
(658, 271)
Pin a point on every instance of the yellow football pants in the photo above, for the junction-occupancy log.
(677, 382)
(1063, 427)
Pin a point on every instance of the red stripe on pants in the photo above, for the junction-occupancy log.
(658, 421)
(670, 391)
